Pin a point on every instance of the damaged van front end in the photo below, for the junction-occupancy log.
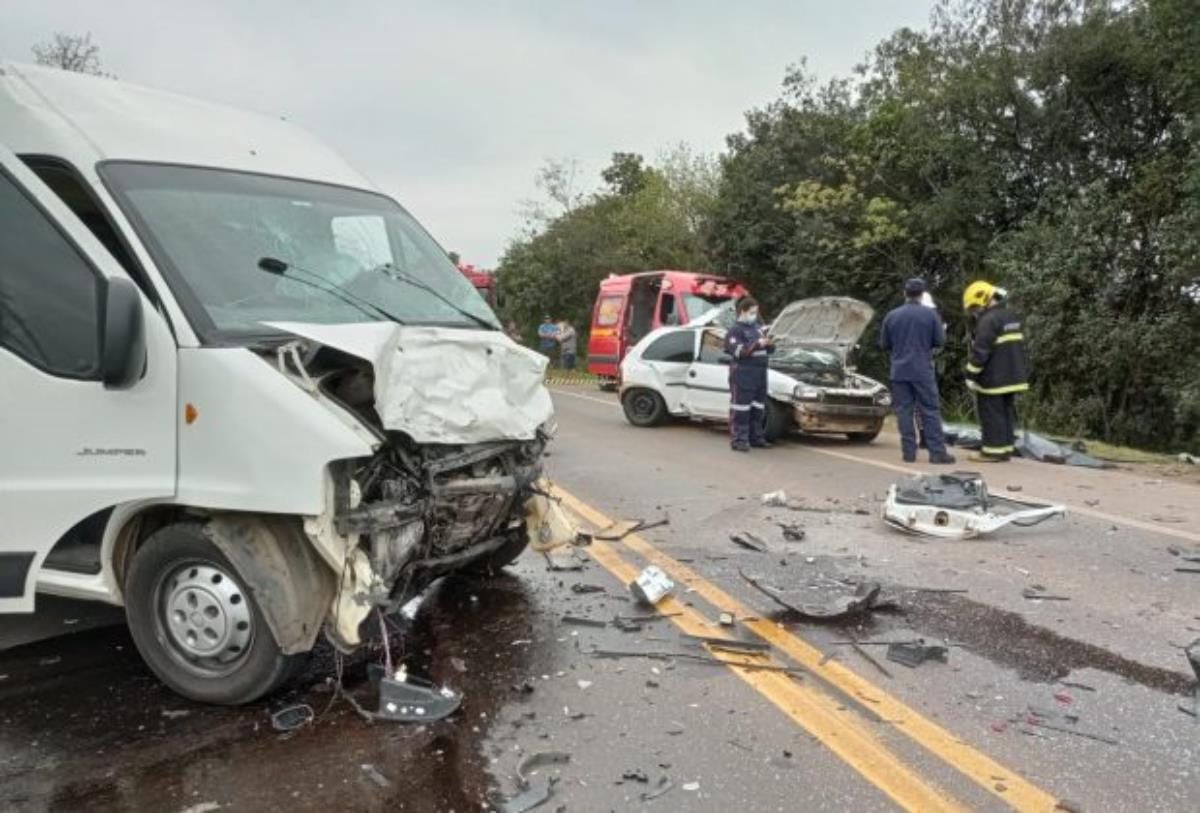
(461, 419)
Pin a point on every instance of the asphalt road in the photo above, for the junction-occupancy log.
(1040, 703)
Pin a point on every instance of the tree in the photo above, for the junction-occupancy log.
(71, 52)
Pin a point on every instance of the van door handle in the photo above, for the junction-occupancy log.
(691, 373)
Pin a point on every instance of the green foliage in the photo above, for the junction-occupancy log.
(1050, 147)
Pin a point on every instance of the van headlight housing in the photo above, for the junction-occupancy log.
(883, 398)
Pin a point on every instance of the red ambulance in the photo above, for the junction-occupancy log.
(631, 305)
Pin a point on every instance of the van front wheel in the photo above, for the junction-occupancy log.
(196, 625)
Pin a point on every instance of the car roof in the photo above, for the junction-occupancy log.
(87, 119)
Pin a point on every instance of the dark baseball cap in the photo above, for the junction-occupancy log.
(914, 286)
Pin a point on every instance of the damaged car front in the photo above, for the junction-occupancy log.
(814, 340)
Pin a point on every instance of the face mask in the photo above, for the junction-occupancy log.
(749, 317)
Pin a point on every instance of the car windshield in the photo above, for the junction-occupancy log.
(351, 255)
(816, 359)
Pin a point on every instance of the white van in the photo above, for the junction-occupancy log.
(242, 392)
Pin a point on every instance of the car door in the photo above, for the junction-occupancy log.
(70, 448)
(670, 356)
(706, 392)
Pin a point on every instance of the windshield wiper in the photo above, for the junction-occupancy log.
(396, 274)
(273, 265)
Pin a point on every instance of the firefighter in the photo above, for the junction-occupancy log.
(997, 368)
(748, 348)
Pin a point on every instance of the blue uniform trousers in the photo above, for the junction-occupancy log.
(748, 405)
(909, 397)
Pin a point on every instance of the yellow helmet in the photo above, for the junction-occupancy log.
(978, 295)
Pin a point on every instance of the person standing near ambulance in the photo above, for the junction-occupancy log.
(748, 348)
(998, 368)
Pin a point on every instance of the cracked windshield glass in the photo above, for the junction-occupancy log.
(346, 255)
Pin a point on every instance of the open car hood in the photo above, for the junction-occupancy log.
(442, 385)
(836, 322)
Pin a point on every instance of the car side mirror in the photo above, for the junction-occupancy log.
(123, 352)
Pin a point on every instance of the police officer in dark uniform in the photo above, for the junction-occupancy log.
(998, 368)
(911, 333)
(748, 348)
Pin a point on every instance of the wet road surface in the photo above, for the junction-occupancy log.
(1040, 701)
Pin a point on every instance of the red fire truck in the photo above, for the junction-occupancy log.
(631, 305)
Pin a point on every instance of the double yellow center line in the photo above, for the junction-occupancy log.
(820, 713)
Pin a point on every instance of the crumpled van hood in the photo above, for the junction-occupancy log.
(442, 385)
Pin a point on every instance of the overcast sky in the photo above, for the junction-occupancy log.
(451, 106)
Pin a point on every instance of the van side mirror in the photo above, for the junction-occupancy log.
(123, 352)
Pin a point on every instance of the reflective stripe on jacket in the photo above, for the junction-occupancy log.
(998, 363)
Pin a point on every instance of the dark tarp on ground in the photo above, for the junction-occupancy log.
(1029, 444)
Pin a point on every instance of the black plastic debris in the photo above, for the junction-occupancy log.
(636, 775)
(914, 653)
(580, 621)
(864, 599)
(1038, 593)
(583, 589)
(791, 531)
(749, 541)
(292, 718)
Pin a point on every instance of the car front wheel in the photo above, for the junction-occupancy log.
(196, 625)
(643, 407)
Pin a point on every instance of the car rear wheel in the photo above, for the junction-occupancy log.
(643, 407)
(779, 420)
(196, 625)
(862, 437)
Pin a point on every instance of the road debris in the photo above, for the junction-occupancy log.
(583, 589)
(407, 699)
(1036, 592)
(664, 784)
(529, 798)
(1074, 732)
(580, 621)
(372, 773)
(690, 786)
(749, 541)
(958, 506)
(791, 531)
(651, 586)
(691, 656)
(725, 619)
(871, 660)
(915, 653)
(775, 499)
(292, 718)
(636, 526)
(863, 600)
(636, 775)
(1188, 459)
(539, 760)
(730, 644)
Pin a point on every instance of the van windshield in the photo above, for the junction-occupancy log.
(351, 255)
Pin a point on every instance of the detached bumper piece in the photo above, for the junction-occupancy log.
(958, 506)
(407, 699)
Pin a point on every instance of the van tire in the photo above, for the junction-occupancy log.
(182, 554)
(643, 407)
(779, 420)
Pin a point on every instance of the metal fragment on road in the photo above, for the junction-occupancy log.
(664, 785)
(580, 621)
(915, 653)
(749, 541)
(529, 798)
(374, 775)
(731, 644)
(1034, 594)
(412, 700)
(957, 506)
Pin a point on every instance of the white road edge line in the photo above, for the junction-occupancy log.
(1083, 510)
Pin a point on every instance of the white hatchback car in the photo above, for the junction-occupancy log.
(684, 371)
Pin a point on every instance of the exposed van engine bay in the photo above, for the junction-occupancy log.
(429, 501)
